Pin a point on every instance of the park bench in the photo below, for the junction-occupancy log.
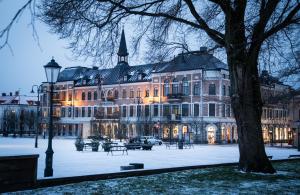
(147, 146)
(117, 148)
(188, 145)
(133, 146)
(169, 145)
(294, 156)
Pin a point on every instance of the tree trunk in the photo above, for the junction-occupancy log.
(247, 108)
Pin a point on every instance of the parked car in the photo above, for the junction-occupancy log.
(151, 140)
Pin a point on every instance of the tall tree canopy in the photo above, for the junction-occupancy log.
(243, 29)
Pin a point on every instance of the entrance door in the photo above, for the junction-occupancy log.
(211, 131)
(211, 137)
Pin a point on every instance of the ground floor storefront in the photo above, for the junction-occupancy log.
(205, 132)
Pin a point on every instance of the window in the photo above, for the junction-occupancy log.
(166, 110)
(63, 112)
(116, 94)
(147, 110)
(155, 110)
(138, 111)
(102, 95)
(166, 88)
(70, 96)
(185, 87)
(95, 111)
(125, 78)
(175, 86)
(131, 95)
(147, 93)
(196, 110)
(155, 92)
(83, 96)
(212, 89)
(197, 88)
(223, 110)
(229, 91)
(63, 96)
(140, 76)
(109, 93)
(69, 112)
(89, 95)
(89, 111)
(123, 111)
(223, 90)
(138, 93)
(83, 112)
(185, 110)
(95, 95)
(227, 110)
(212, 109)
(76, 112)
(131, 111)
(124, 93)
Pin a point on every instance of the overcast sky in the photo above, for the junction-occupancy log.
(24, 67)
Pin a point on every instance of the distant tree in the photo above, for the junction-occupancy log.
(243, 29)
(197, 126)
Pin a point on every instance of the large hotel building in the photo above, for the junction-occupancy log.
(188, 95)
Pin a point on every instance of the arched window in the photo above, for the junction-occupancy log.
(89, 95)
(95, 95)
(83, 96)
(197, 88)
(116, 94)
(175, 88)
(166, 88)
(109, 93)
(185, 86)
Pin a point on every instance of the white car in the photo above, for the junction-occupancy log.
(151, 140)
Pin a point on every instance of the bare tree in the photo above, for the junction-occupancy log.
(242, 28)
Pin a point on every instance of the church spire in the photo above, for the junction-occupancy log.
(122, 53)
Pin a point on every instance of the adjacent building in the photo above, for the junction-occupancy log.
(17, 114)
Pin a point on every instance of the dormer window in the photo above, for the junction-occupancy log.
(125, 77)
(140, 76)
(84, 82)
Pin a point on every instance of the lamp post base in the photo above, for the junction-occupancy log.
(48, 172)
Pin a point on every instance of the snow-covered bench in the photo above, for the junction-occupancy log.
(117, 148)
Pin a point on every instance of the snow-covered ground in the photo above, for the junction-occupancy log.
(69, 162)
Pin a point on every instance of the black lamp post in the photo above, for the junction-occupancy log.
(52, 71)
(37, 112)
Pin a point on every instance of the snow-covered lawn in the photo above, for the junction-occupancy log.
(68, 162)
(217, 180)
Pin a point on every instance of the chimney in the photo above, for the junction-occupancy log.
(10, 93)
(16, 93)
(3, 94)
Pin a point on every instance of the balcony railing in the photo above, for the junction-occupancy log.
(175, 96)
(101, 115)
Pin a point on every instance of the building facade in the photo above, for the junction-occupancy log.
(188, 97)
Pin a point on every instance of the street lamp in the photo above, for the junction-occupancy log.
(298, 133)
(52, 71)
(37, 112)
(139, 112)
